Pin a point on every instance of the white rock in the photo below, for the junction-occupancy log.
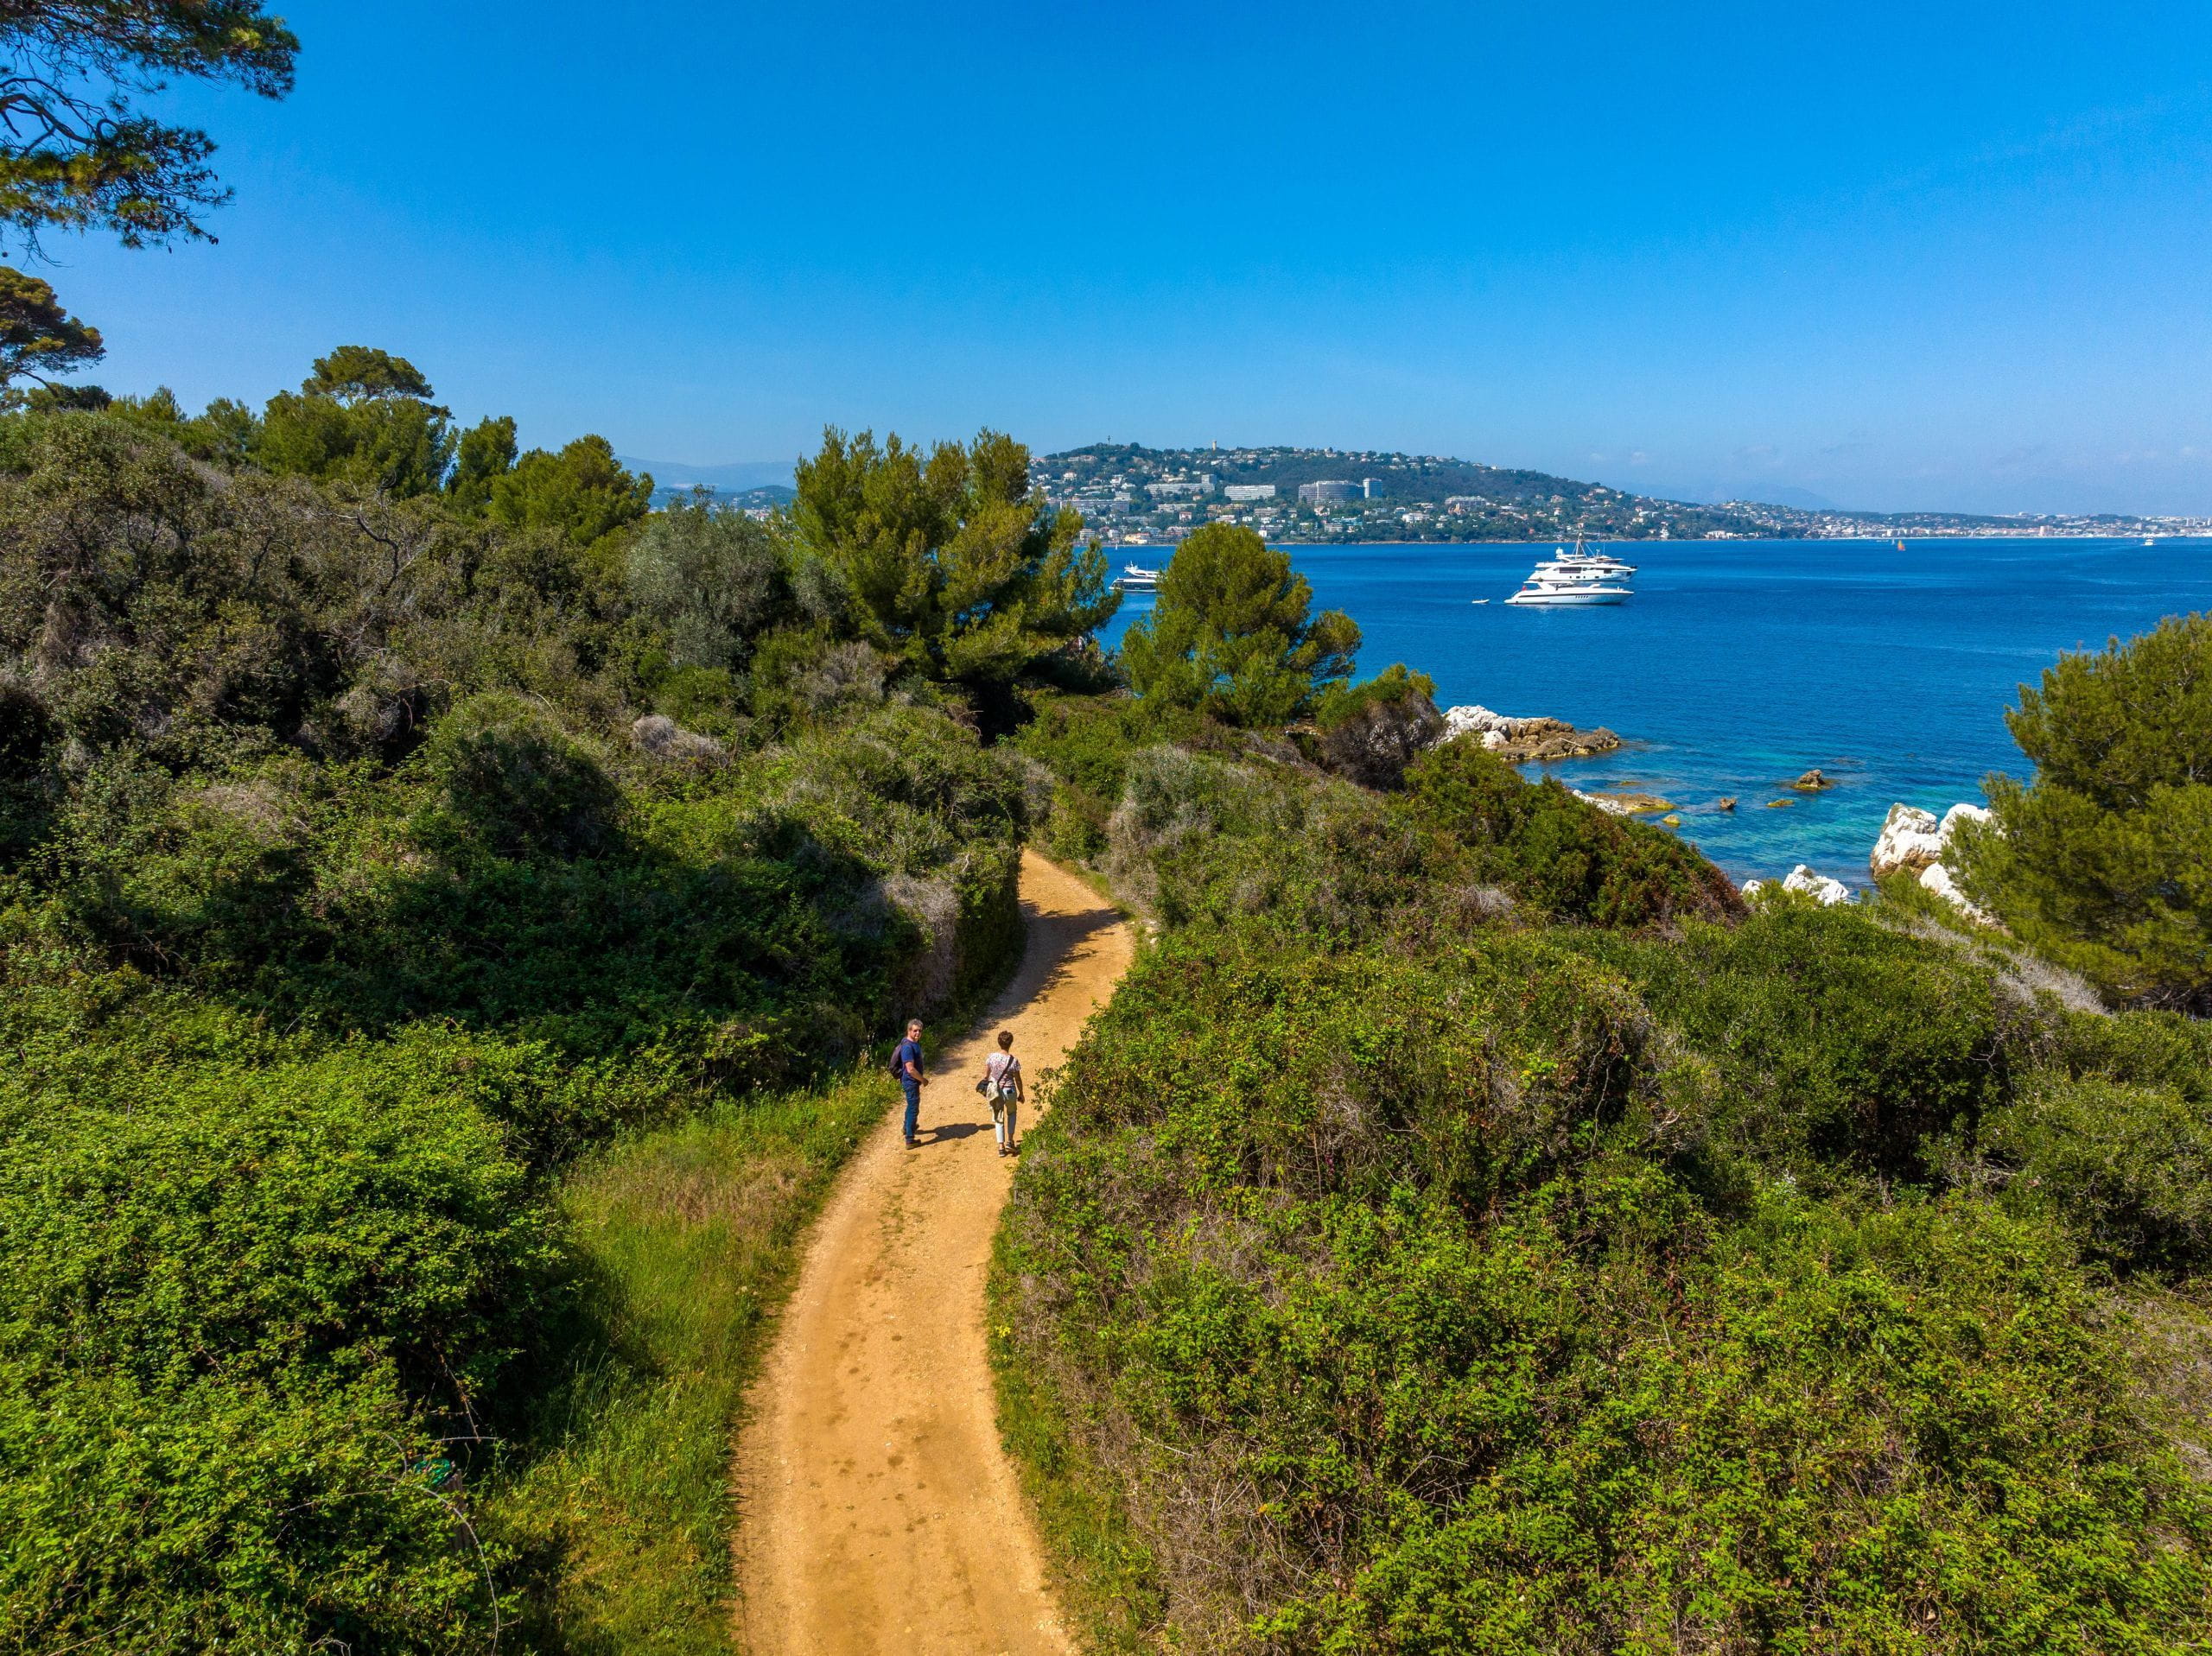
(1910, 839)
(1958, 814)
(1610, 807)
(1937, 879)
(1822, 890)
(1753, 887)
(1480, 720)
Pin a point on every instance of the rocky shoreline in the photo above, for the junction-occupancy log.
(1913, 841)
(1520, 741)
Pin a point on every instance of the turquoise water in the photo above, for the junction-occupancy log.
(1740, 664)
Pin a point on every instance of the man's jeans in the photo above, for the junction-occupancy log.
(913, 1106)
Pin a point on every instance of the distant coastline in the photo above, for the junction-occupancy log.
(2200, 537)
(1129, 495)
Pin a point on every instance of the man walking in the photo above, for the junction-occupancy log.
(906, 1064)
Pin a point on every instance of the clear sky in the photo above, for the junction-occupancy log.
(1933, 255)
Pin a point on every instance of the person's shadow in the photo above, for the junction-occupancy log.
(957, 1130)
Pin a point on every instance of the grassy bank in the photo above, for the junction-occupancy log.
(684, 1239)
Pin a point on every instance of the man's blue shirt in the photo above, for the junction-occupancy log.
(909, 1052)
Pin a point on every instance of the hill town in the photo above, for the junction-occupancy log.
(1132, 495)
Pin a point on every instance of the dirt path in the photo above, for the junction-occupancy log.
(877, 1511)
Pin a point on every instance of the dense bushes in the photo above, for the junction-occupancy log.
(1470, 1229)
(1390, 1293)
(347, 900)
(1840, 1043)
(1194, 819)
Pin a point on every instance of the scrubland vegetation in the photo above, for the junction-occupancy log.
(1472, 1228)
(442, 906)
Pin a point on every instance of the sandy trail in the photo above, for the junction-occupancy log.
(877, 1511)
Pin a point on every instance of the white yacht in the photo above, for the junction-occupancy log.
(1135, 578)
(1577, 580)
(1565, 590)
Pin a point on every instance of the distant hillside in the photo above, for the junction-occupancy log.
(734, 478)
(1134, 494)
(766, 498)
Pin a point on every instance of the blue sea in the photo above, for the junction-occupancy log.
(1739, 665)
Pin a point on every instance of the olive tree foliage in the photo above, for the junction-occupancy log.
(712, 577)
(1234, 634)
(947, 561)
(2104, 860)
(148, 604)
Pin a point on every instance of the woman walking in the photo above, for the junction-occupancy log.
(1002, 1085)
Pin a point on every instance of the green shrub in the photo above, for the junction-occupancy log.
(1371, 1285)
(1566, 857)
(1840, 1043)
(2129, 1167)
(510, 779)
(251, 1310)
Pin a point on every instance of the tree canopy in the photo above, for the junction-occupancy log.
(949, 560)
(355, 373)
(38, 338)
(711, 577)
(582, 490)
(364, 415)
(1233, 633)
(2104, 859)
(76, 151)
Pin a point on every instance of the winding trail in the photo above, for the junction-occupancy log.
(877, 1512)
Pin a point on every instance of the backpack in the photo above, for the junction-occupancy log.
(898, 1064)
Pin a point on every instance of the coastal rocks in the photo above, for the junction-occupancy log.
(1937, 879)
(1625, 804)
(1813, 782)
(1913, 842)
(1962, 813)
(1910, 839)
(1805, 883)
(1820, 887)
(1520, 741)
(1780, 804)
(1726, 803)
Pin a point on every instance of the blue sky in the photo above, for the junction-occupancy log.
(1941, 256)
